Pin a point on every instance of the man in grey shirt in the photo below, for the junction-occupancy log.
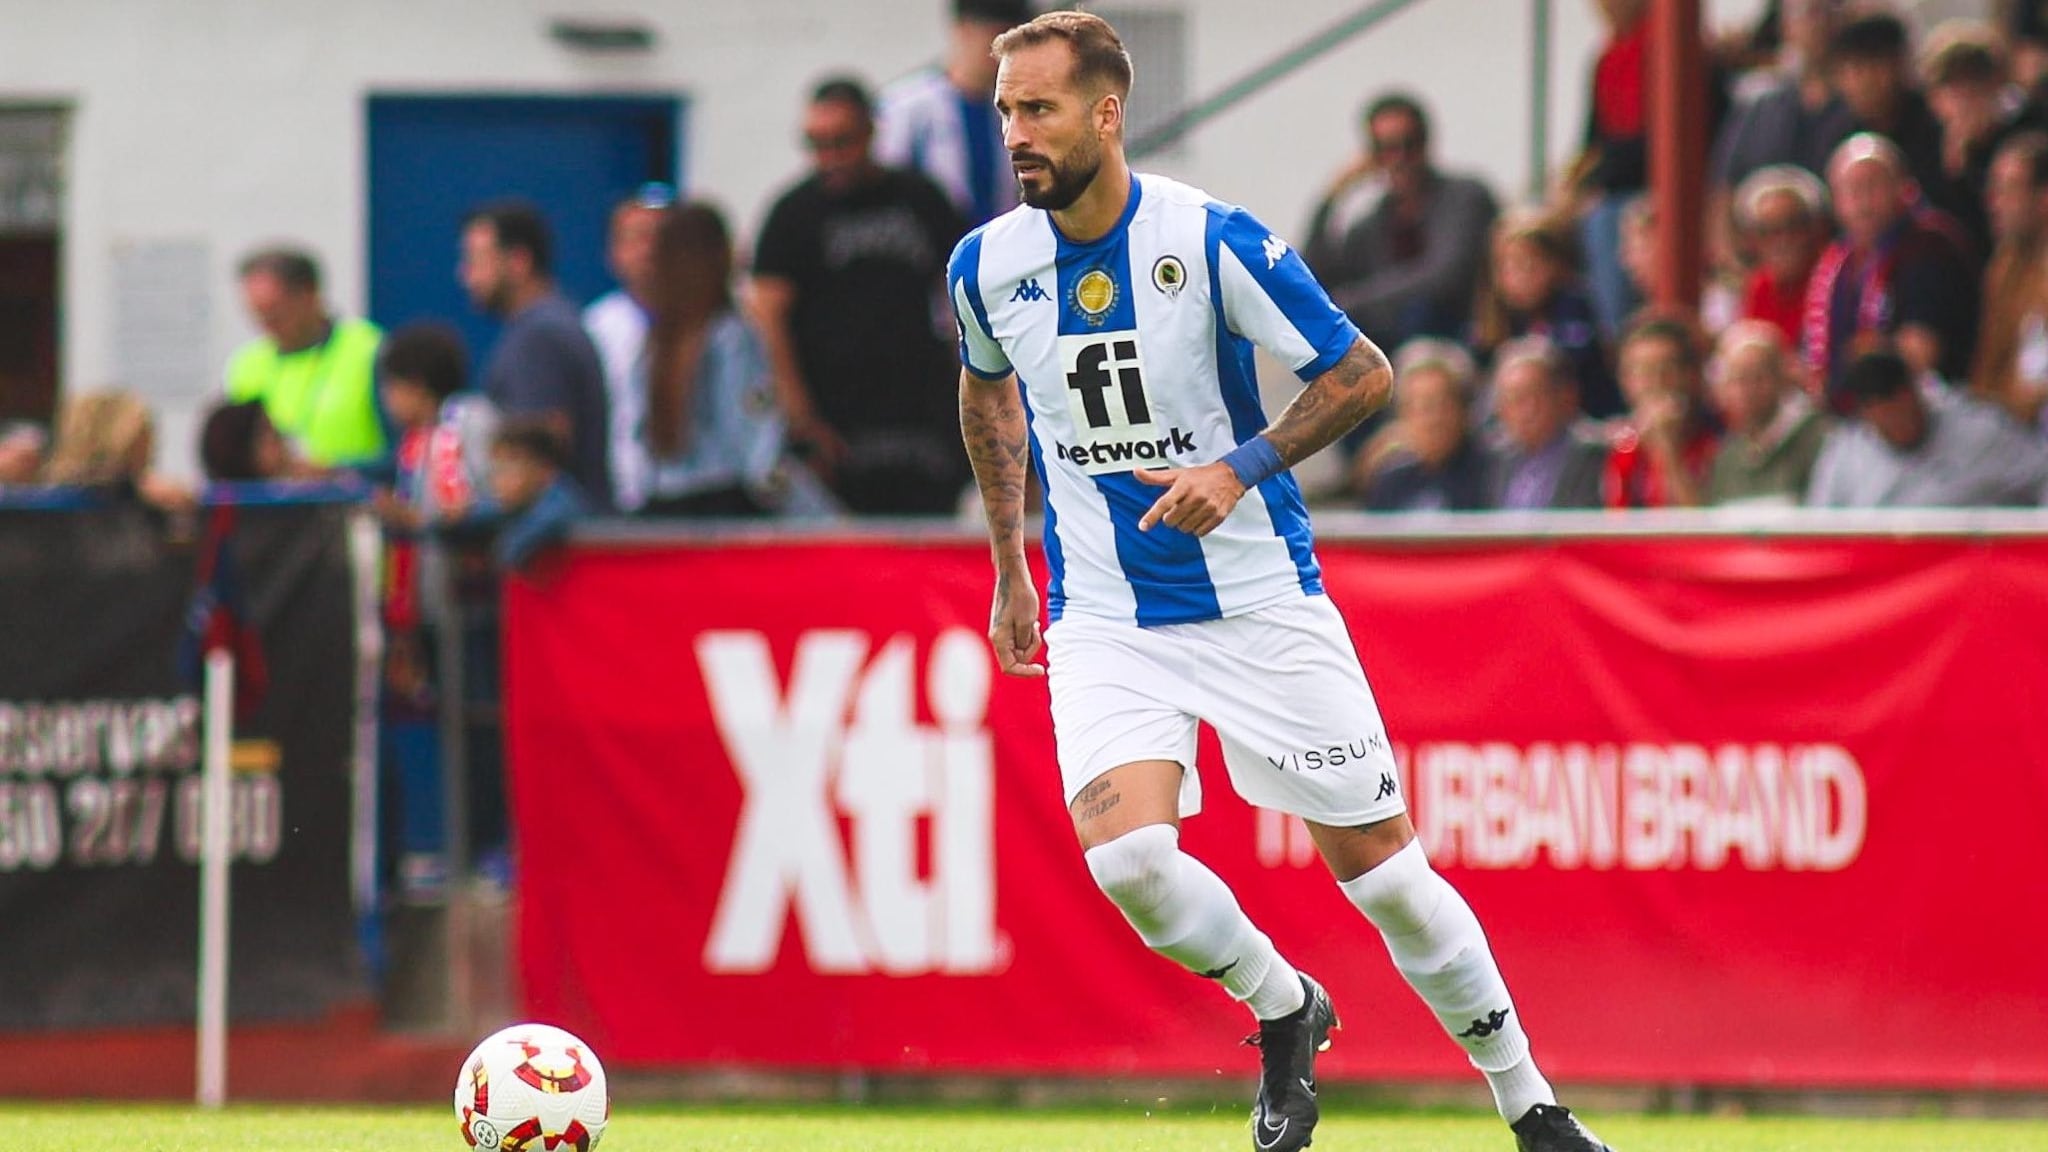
(1542, 461)
(1797, 117)
(1399, 244)
(543, 365)
(1919, 448)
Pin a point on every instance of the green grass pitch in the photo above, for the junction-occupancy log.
(665, 1128)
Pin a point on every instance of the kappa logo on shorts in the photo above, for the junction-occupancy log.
(1387, 787)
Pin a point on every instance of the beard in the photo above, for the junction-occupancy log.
(1064, 181)
(496, 299)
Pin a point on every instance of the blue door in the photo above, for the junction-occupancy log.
(432, 158)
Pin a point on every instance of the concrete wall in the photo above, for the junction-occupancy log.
(214, 125)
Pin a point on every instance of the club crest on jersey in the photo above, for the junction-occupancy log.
(1169, 275)
(1094, 295)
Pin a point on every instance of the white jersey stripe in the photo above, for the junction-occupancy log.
(1134, 351)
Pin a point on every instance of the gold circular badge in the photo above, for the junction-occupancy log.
(1094, 292)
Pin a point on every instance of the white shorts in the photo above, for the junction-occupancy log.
(1282, 687)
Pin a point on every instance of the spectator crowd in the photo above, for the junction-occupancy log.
(1876, 212)
(1873, 324)
(1873, 327)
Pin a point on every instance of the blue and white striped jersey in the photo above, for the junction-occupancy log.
(1135, 351)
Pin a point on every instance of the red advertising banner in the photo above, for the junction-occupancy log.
(1736, 811)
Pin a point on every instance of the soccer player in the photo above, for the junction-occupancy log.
(1106, 331)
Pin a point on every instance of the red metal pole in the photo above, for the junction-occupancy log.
(1678, 149)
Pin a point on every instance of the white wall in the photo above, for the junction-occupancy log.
(241, 121)
(234, 122)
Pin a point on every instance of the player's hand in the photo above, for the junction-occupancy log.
(1013, 626)
(1196, 500)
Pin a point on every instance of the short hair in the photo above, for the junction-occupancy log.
(534, 438)
(294, 268)
(1963, 52)
(1099, 55)
(427, 354)
(518, 226)
(227, 440)
(1402, 102)
(1869, 146)
(1879, 374)
(1008, 13)
(1753, 333)
(2033, 147)
(1671, 330)
(1780, 180)
(1433, 354)
(1541, 351)
(847, 90)
(1873, 36)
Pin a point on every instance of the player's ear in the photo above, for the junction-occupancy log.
(1109, 115)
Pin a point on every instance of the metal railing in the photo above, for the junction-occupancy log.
(1311, 47)
(1336, 35)
(1346, 526)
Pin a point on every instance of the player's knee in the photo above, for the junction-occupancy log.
(1137, 869)
(1401, 895)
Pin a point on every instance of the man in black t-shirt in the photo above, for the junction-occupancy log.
(849, 292)
(543, 365)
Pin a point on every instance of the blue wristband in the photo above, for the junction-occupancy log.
(1255, 461)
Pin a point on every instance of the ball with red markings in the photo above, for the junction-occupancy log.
(532, 1088)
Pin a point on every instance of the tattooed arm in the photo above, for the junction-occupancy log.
(992, 424)
(1357, 385)
(1334, 403)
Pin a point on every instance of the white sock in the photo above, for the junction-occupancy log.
(1439, 948)
(1186, 913)
(1519, 1089)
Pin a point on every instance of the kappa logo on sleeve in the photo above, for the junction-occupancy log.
(1276, 251)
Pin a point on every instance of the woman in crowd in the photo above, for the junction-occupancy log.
(108, 440)
(713, 431)
(1782, 214)
(1532, 290)
(1433, 461)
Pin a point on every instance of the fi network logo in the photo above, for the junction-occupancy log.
(842, 739)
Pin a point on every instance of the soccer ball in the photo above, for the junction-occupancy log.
(532, 1088)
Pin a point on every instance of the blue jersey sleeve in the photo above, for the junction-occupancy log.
(979, 351)
(1268, 295)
